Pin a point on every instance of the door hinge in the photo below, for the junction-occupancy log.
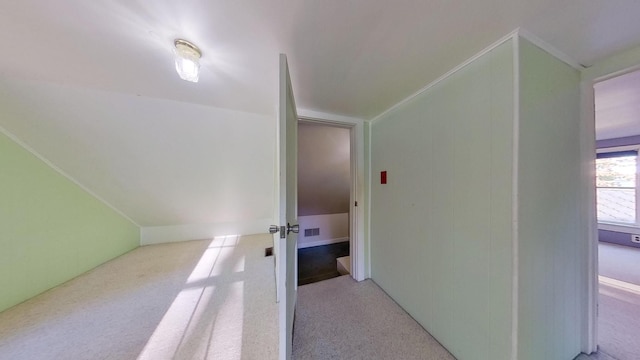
(356, 204)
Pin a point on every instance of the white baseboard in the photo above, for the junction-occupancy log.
(175, 233)
(321, 242)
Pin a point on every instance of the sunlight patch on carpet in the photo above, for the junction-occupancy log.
(205, 320)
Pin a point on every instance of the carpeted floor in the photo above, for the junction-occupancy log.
(619, 303)
(319, 262)
(344, 319)
(216, 299)
(619, 262)
(210, 299)
(332, 313)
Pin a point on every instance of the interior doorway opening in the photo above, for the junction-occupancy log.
(617, 132)
(325, 194)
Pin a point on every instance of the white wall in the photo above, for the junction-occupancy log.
(162, 234)
(551, 236)
(333, 228)
(162, 163)
(441, 227)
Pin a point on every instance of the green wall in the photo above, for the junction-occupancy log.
(552, 239)
(441, 229)
(484, 173)
(50, 229)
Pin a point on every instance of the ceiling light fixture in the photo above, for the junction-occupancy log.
(187, 60)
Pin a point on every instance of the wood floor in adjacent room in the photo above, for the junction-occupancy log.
(209, 299)
(319, 262)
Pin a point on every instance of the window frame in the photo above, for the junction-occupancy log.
(619, 226)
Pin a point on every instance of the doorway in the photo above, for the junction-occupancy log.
(617, 130)
(324, 200)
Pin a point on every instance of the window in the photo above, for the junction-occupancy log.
(616, 180)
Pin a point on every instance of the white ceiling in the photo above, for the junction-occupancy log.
(354, 58)
(91, 85)
(617, 104)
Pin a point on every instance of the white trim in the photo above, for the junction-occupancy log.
(486, 50)
(514, 198)
(369, 184)
(616, 65)
(322, 117)
(553, 51)
(618, 148)
(356, 221)
(321, 242)
(622, 285)
(588, 212)
(616, 74)
(623, 228)
(33, 152)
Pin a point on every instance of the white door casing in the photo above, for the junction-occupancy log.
(358, 269)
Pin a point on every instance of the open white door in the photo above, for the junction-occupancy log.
(287, 257)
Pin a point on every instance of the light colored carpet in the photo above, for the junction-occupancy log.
(343, 319)
(210, 299)
(619, 262)
(619, 303)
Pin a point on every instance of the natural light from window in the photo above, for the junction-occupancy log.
(616, 187)
(205, 321)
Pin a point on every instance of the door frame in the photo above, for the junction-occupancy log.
(357, 241)
(613, 67)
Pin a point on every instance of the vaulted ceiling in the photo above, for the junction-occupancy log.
(354, 58)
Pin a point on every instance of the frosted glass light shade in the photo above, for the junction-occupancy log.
(187, 60)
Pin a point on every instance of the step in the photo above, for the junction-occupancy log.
(344, 265)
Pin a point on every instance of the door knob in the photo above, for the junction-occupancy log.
(284, 231)
(293, 228)
(275, 228)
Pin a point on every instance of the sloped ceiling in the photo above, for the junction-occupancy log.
(159, 162)
(110, 61)
(617, 105)
(324, 169)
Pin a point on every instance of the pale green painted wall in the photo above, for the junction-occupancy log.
(552, 239)
(441, 228)
(50, 229)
